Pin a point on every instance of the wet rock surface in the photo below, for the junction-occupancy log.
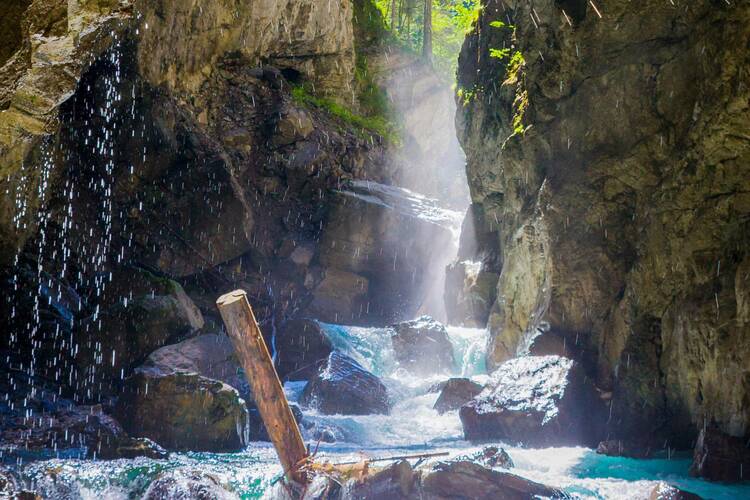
(469, 480)
(453, 480)
(537, 401)
(455, 393)
(343, 387)
(187, 485)
(720, 457)
(664, 491)
(183, 411)
(422, 346)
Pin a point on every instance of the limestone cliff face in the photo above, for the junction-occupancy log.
(609, 149)
(48, 45)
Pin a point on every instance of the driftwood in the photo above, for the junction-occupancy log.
(267, 390)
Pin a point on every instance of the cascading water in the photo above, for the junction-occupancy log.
(412, 427)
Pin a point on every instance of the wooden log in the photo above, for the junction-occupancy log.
(267, 389)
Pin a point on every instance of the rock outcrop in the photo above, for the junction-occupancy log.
(720, 457)
(343, 387)
(455, 393)
(422, 346)
(608, 152)
(537, 401)
(183, 411)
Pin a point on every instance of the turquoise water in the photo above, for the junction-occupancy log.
(412, 426)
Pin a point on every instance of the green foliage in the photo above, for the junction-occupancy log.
(378, 124)
(451, 20)
(498, 24)
(499, 53)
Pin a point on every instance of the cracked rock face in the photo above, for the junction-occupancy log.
(610, 152)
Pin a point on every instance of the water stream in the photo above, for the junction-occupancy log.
(412, 426)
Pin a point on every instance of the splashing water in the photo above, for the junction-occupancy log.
(412, 426)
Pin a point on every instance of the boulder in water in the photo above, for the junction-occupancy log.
(422, 346)
(664, 491)
(301, 346)
(455, 393)
(720, 457)
(183, 411)
(492, 456)
(538, 401)
(343, 387)
(466, 479)
(187, 485)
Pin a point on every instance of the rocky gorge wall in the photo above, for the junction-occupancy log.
(154, 155)
(607, 155)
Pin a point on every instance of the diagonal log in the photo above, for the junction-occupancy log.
(267, 390)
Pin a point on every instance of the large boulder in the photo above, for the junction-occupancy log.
(183, 411)
(455, 393)
(211, 356)
(453, 480)
(342, 386)
(465, 479)
(301, 345)
(537, 401)
(720, 457)
(187, 485)
(422, 346)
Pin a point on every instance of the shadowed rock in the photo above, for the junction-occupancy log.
(455, 393)
(538, 401)
(342, 386)
(720, 457)
(301, 345)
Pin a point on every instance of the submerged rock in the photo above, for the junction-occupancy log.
(664, 491)
(343, 387)
(538, 401)
(422, 346)
(455, 393)
(183, 411)
(187, 485)
(301, 345)
(720, 457)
